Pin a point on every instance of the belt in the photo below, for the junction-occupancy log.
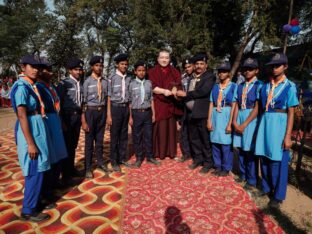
(141, 110)
(119, 104)
(247, 107)
(278, 110)
(73, 112)
(229, 105)
(35, 112)
(96, 108)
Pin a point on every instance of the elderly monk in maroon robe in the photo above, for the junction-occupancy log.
(166, 80)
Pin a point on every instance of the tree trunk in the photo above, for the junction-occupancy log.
(109, 64)
(240, 53)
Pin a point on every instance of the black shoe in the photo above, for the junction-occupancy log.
(184, 158)
(50, 206)
(153, 161)
(126, 164)
(194, 165)
(249, 187)
(36, 217)
(239, 180)
(45, 205)
(116, 167)
(274, 204)
(205, 170)
(263, 194)
(104, 168)
(76, 173)
(223, 173)
(65, 183)
(216, 172)
(89, 175)
(138, 163)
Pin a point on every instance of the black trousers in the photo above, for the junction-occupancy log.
(184, 136)
(142, 134)
(50, 178)
(71, 136)
(119, 134)
(200, 141)
(94, 139)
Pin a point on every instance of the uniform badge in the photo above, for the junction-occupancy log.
(276, 57)
(249, 61)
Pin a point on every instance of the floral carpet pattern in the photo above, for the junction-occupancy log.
(153, 199)
(174, 199)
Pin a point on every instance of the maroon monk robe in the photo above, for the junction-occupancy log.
(166, 109)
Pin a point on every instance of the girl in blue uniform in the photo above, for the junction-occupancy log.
(31, 137)
(245, 122)
(57, 143)
(278, 99)
(220, 120)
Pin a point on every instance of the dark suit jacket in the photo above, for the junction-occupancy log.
(201, 95)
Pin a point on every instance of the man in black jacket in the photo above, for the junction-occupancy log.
(197, 102)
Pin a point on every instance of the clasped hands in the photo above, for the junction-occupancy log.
(174, 92)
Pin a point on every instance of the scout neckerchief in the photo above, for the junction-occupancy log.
(270, 92)
(78, 98)
(245, 91)
(193, 81)
(33, 85)
(99, 87)
(142, 90)
(55, 97)
(123, 84)
(220, 94)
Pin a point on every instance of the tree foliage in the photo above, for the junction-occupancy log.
(21, 26)
(139, 27)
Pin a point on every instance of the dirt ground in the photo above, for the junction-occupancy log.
(295, 214)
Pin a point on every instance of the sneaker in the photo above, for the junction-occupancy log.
(153, 161)
(50, 206)
(176, 158)
(184, 158)
(89, 175)
(216, 172)
(274, 204)
(46, 204)
(104, 168)
(205, 170)
(194, 165)
(126, 164)
(249, 187)
(116, 167)
(239, 180)
(223, 173)
(262, 194)
(35, 217)
(138, 164)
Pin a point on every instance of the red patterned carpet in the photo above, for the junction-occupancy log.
(165, 199)
(92, 206)
(173, 199)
